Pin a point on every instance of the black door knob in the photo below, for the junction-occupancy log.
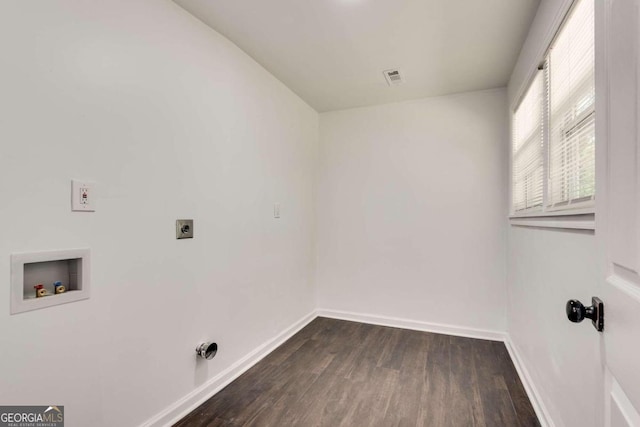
(576, 312)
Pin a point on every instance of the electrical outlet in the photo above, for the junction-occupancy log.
(82, 196)
(184, 229)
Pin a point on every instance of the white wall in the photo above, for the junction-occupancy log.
(411, 210)
(172, 121)
(547, 268)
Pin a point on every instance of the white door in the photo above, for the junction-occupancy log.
(618, 216)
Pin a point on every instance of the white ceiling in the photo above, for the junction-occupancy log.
(332, 52)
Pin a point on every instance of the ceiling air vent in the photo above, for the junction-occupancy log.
(394, 78)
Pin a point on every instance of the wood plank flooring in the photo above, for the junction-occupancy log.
(339, 373)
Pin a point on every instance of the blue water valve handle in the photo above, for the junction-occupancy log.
(59, 288)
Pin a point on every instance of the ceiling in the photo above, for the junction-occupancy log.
(332, 52)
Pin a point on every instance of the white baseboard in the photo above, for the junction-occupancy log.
(185, 405)
(415, 325)
(529, 386)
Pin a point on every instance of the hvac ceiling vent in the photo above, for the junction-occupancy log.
(393, 77)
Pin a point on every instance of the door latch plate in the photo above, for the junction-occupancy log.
(598, 319)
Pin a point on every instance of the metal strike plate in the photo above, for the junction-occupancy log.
(184, 229)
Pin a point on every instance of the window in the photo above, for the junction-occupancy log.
(527, 161)
(553, 145)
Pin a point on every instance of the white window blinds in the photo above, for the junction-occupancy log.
(527, 152)
(553, 144)
(571, 90)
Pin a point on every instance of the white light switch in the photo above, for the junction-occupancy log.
(82, 196)
(276, 210)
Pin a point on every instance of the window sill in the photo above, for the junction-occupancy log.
(583, 221)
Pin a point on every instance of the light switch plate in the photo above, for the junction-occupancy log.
(83, 197)
(184, 229)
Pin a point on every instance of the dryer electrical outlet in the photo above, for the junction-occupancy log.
(184, 229)
(83, 196)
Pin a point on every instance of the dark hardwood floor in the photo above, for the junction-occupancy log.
(338, 373)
